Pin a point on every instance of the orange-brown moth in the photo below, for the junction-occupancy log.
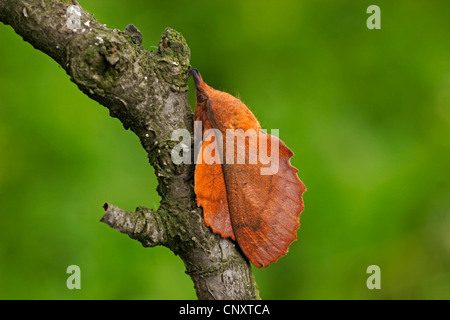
(259, 211)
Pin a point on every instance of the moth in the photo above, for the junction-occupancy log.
(243, 196)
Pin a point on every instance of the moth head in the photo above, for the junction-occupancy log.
(197, 77)
(200, 86)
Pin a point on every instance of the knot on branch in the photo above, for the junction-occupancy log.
(134, 34)
(173, 55)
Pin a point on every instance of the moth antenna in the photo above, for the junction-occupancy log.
(211, 113)
(216, 125)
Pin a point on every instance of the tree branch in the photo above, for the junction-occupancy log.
(147, 92)
(143, 225)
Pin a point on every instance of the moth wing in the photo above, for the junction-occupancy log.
(211, 193)
(264, 208)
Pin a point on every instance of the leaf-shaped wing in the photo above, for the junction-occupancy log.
(264, 208)
(211, 192)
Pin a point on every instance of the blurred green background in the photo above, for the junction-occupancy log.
(366, 112)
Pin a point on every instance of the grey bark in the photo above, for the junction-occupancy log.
(147, 92)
